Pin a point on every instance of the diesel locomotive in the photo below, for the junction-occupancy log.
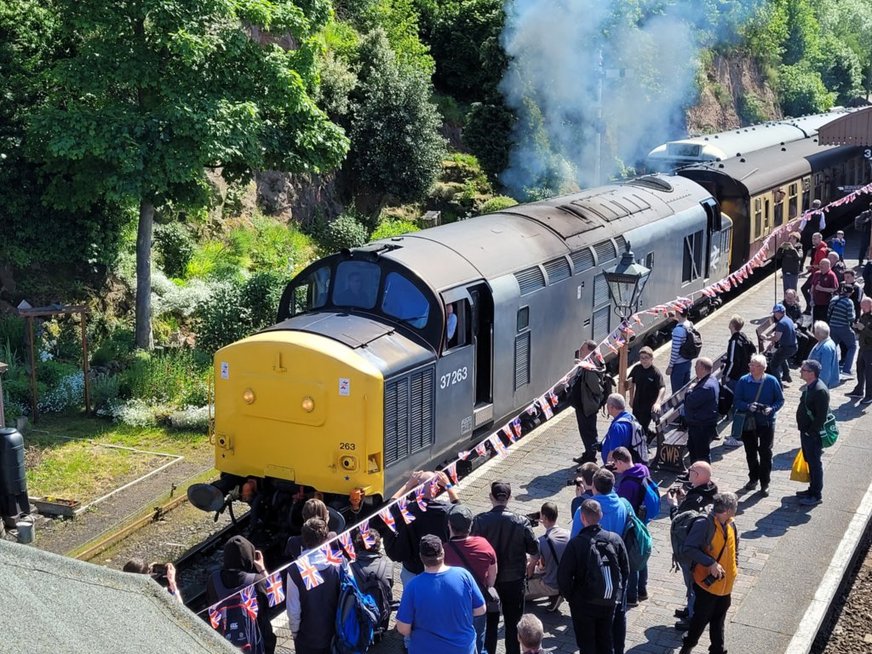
(392, 357)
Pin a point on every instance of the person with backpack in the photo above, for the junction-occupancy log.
(647, 389)
(542, 569)
(758, 399)
(687, 502)
(700, 410)
(475, 554)
(739, 351)
(438, 606)
(374, 574)
(840, 318)
(242, 566)
(512, 538)
(789, 258)
(583, 485)
(636, 486)
(586, 397)
(713, 547)
(592, 576)
(625, 431)
(686, 346)
(312, 612)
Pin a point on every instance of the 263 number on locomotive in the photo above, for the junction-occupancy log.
(453, 377)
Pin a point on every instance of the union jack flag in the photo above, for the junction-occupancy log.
(463, 455)
(348, 546)
(309, 573)
(330, 554)
(480, 449)
(508, 433)
(497, 443)
(433, 489)
(388, 518)
(516, 427)
(408, 518)
(249, 601)
(366, 534)
(451, 471)
(420, 498)
(545, 405)
(215, 617)
(637, 319)
(552, 398)
(275, 592)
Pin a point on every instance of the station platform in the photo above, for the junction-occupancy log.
(792, 558)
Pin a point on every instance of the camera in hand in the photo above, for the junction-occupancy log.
(534, 518)
(708, 581)
(158, 570)
(573, 482)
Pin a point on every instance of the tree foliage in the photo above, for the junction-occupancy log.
(802, 91)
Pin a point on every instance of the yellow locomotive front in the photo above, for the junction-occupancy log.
(299, 406)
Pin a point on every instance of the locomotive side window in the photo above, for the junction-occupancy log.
(312, 293)
(693, 251)
(356, 284)
(405, 301)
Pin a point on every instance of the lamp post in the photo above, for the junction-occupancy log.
(626, 283)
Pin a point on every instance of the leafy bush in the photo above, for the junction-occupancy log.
(346, 231)
(802, 91)
(260, 296)
(488, 135)
(498, 203)
(13, 332)
(175, 377)
(190, 418)
(213, 260)
(116, 348)
(105, 389)
(180, 299)
(176, 248)
(751, 109)
(222, 319)
(51, 372)
(391, 228)
(267, 244)
(134, 413)
(68, 393)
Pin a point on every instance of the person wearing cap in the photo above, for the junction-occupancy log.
(789, 257)
(782, 344)
(679, 367)
(840, 317)
(512, 538)
(813, 221)
(438, 606)
(542, 569)
(473, 553)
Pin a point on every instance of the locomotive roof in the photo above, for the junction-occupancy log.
(527, 234)
(773, 166)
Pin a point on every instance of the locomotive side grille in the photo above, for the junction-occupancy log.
(530, 279)
(600, 291)
(605, 251)
(557, 270)
(582, 260)
(408, 415)
(421, 410)
(601, 322)
(621, 242)
(522, 360)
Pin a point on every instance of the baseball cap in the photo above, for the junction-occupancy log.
(460, 518)
(430, 547)
(779, 308)
(501, 490)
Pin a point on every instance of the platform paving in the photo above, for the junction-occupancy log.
(787, 551)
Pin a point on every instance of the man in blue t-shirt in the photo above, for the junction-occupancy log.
(782, 344)
(437, 606)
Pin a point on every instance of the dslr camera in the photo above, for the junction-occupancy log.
(534, 518)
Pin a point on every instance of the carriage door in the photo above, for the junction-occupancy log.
(713, 230)
(483, 339)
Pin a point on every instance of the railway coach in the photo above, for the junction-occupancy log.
(392, 357)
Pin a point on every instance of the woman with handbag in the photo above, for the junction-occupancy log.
(757, 400)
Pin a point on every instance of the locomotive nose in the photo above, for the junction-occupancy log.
(301, 407)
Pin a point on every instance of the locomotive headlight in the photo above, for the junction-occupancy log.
(308, 404)
(248, 396)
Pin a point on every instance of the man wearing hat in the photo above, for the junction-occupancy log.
(782, 344)
(438, 606)
(512, 538)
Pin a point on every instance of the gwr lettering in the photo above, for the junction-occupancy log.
(453, 377)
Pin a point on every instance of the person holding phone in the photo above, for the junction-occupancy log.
(160, 572)
(713, 545)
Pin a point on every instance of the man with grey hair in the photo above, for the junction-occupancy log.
(701, 411)
(826, 354)
(811, 413)
(620, 433)
(530, 634)
(713, 546)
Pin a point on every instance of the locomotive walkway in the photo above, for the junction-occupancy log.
(792, 558)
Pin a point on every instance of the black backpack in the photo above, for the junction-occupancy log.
(744, 351)
(692, 345)
(374, 584)
(236, 619)
(602, 581)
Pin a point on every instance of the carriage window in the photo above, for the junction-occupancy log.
(312, 292)
(405, 301)
(356, 284)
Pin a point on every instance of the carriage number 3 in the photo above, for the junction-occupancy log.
(453, 377)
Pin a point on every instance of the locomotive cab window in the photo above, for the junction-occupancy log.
(457, 324)
(312, 292)
(405, 301)
(356, 284)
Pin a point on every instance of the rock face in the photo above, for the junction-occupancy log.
(300, 198)
(735, 92)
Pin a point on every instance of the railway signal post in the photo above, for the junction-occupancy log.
(626, 283)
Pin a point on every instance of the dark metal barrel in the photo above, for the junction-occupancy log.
(13, 480)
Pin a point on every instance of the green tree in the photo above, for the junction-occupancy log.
(802, 91)
(396, 144)
(840, 68)
(803, 32)
(850, 23)
(150, 93)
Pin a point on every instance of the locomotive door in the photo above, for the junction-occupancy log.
(482, 305)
